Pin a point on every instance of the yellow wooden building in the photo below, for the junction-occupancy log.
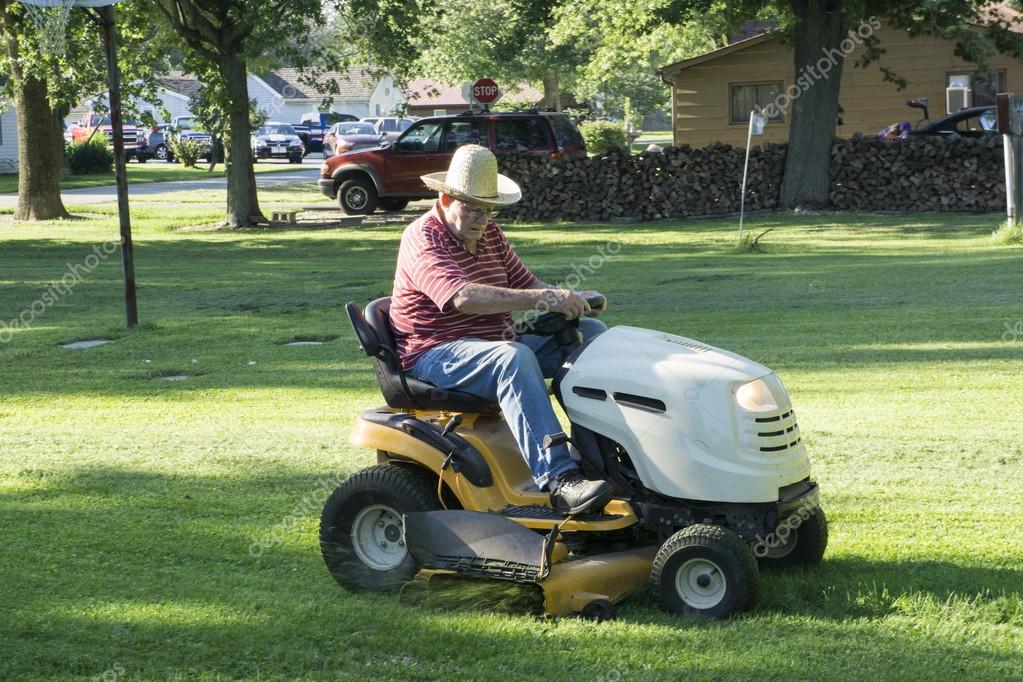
(712, 94)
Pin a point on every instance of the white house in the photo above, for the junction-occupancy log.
(360, 94)
(8, 137)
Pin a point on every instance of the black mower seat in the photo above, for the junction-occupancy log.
(401, 391)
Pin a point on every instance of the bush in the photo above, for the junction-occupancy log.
(603, 136)
(186, 151)
(92, 156)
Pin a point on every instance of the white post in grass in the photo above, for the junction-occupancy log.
(756, 127)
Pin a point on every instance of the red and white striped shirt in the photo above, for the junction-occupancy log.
(432, 266)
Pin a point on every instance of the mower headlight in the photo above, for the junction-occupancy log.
(756, 397)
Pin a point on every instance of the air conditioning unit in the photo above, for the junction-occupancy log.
(958, 98)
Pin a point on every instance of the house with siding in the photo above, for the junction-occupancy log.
(712, 94)
(8, 137)
(361, 93)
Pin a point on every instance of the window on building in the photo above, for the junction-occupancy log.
(377, 112)
(440, 112)
(747, 97)
(980, 90)
(465, 132)
(520, 134)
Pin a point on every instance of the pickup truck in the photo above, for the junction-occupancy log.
(315, 125)
(135, 138)
(183, 128)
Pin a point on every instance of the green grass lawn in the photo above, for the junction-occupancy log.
(662, 138)
(152, 171)
(129, 503)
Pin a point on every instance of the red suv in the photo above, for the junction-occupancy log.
(388, 175)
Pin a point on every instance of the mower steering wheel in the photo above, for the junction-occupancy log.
(550, 324)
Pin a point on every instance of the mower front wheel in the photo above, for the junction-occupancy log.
(361, 534)
(707, 571)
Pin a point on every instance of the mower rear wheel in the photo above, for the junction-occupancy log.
(803, 544)
(361, 534)
(706, 571)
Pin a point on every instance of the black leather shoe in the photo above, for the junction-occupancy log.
(576, 494)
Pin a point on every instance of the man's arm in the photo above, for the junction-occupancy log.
(483, 299)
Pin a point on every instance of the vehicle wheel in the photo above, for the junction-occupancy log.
(161, 153)
(141, 159)
(706, 571)
(393, 204)
(295, 160)
(357, 196)
(795, 545)
(361, 527)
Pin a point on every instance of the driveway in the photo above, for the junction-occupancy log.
(99, 195)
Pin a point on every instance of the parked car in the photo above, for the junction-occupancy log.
(274, 140)
(350, 136)
(318, 123)
(134, 137)
(391, 126)
(972, 122)
(157, 140)
(388, 175)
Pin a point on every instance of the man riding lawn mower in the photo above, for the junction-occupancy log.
(681, 457)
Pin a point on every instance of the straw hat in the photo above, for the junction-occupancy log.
(473, 177)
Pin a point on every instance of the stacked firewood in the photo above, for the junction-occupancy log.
(919, 174)
(923, 173)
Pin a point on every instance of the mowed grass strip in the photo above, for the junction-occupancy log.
(160, 529)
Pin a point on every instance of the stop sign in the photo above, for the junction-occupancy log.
(485, 91)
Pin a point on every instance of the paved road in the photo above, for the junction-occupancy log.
(99, 195)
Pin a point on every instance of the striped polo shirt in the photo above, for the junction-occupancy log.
(432, 266)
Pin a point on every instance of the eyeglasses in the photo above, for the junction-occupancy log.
(478, 211)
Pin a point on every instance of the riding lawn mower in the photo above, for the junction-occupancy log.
(699, 445)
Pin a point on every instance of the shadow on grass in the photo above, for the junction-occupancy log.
(154, 571)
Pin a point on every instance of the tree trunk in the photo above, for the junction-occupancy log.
(242, 203)
(817, 40)
(40, 159)
(551, 95)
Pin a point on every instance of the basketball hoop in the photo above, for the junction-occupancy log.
(51, 18)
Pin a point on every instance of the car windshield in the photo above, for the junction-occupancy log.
(355, 129)
(280, 129)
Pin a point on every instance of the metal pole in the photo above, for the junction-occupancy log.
(1010, 177)
(745, 170)
(114, 82)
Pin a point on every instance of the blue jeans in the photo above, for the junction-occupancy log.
(512, 373)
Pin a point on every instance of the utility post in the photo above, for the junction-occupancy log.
(1010, 124)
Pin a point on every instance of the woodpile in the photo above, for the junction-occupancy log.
(925, 173)
(919, 174)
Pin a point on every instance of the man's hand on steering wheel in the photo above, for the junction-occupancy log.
(597, 301)
(566, 302)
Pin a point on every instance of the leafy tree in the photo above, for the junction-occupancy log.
(223, 40)
(504, 39)
(620, 64)
(45, 86)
